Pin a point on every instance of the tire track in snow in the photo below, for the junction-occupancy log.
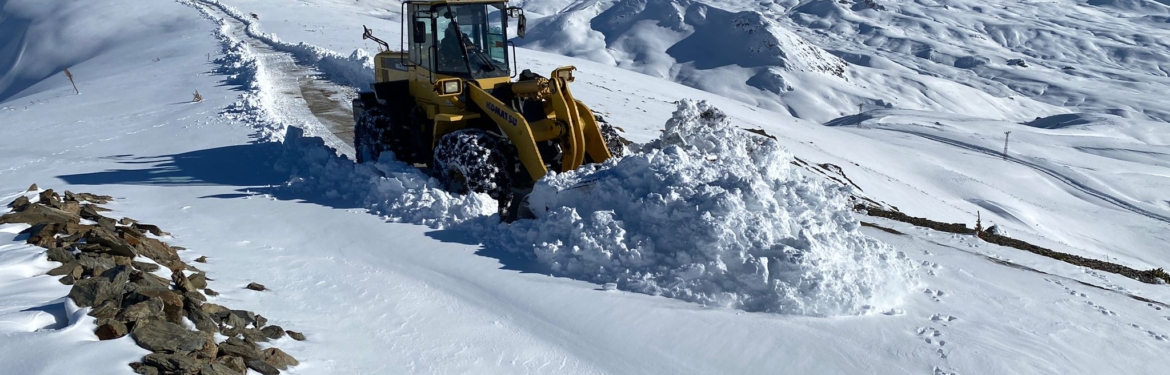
(298, 93)
(1120, 203)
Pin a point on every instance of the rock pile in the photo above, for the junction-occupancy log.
(100, 258)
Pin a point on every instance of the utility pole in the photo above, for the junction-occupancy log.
(1005, 144)
(859, 115)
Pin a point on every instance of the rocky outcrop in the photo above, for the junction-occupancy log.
(110, 265)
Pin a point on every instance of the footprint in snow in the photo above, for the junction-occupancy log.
(933, 337)
(1101, 309)
(935, 295)
(1153, 335)
(1159, 308)
(940, 318)
(930, 267)
(939, 371)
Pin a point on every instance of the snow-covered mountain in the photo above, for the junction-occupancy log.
(709, 251)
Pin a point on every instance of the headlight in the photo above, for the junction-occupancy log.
(451, 87)
(565, 74)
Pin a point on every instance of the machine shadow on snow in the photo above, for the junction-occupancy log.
(250, 167)
(238, 165)
(463, 233)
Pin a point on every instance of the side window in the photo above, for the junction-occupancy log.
(420, 49)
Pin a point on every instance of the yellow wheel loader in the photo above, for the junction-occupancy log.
(452, 101)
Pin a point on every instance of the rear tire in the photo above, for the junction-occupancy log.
(473, 160)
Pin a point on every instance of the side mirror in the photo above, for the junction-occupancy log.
(521, 21)
(521, 26)
(420, 31)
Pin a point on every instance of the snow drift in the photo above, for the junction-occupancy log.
(710, 214)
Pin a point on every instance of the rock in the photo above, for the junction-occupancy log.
(213, 309)
(260, 321)
(146, 310)
(279, 359)
(71, 207)
(90, 212)
(160, 253)
(239, 348)
(50, 198)
(218, 369)
(147, 281)
(123, 261)
(39, 214)
(247, 316)
(64, 269)
(107, 310)
(110, 242)
(33, 187)
(235, 321)
(174, 364)
(112, 329)
(107, 224)
(43, 235)
(20, 204)
(67, 280)
(202, 259)
(296, 335)
(195, 298)
(96, 264)
(159, 336)
(93, 291)
(93, 198)
(76, 231)
(201, 319)
(152, 229)
(210, 293)
(172, 303)
(127, 221)
(198, 280)
(273, 332)
(146, 370)
(261, 367)
(182, 283)
(256, 287)
(234, 363)
(148, 267)
(210, 350)
(253, 335)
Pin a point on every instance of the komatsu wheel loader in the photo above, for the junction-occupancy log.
(447, 102)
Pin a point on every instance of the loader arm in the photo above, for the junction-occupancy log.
(584, 135)
(514, 126)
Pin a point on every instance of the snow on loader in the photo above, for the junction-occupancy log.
(447, 102)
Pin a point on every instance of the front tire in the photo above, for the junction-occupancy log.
(475, 161)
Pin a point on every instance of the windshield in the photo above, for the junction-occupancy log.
(471, 40)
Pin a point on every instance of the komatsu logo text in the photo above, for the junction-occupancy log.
(502, 113)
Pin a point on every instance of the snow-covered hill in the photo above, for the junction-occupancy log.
(387, 273)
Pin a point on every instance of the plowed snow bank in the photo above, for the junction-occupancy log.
(712, 215)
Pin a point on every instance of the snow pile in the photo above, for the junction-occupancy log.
(390, 188)
(712, 215)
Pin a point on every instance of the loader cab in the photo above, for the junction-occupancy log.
(459, 39)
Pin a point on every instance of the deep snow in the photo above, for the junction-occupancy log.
(379, 297)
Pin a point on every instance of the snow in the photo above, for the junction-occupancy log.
(386, 273)
(711, 215)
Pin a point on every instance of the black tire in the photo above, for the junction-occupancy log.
(473, 160)
(370, 133)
